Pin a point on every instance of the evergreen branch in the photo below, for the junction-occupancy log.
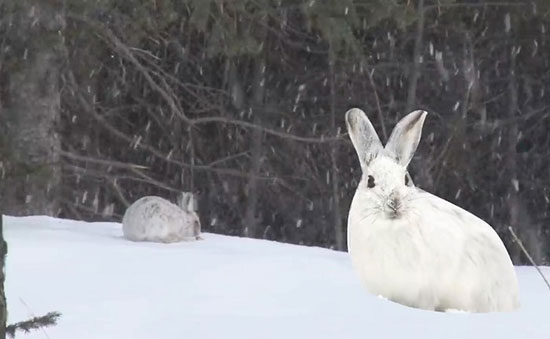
(35, 323)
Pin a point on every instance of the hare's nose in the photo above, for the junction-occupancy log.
(393, 207)
(394, 201)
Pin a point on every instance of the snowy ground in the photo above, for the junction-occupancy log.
(222, 287)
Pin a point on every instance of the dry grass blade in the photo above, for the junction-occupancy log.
(516, 238)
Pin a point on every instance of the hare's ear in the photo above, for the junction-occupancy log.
(192, 203)
(363, 136)
(405, 137)
(183, 201)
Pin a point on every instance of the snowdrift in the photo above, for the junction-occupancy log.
(222, 287)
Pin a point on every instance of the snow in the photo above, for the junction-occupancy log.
(221, 287)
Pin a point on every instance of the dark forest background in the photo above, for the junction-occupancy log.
(243, 102)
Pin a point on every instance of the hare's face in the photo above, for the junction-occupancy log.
(384, 186)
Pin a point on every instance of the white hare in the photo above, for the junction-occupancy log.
(413, 247)
(158, 220)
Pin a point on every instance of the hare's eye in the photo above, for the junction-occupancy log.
(406, 180)
(370, 181)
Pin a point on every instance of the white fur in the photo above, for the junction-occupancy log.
(430, 254)
(158, 220)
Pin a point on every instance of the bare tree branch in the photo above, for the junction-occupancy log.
(106, 162)
(320, 140)
(125, 52)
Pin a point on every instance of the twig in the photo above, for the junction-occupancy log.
(528, 255)
(473, 5)
(73, 205)
(107, 162)
(378, 107)
(119, 192)
(283, 135)
(228, 158)
(152, 181)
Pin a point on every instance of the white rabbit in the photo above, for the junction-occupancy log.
(413, 247)
(156, 219)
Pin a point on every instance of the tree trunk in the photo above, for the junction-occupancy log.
(415, 69)
(3, 305)
(250, 219)
(423, 173)
(336, 213)
(518, 216)
(30, 107)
